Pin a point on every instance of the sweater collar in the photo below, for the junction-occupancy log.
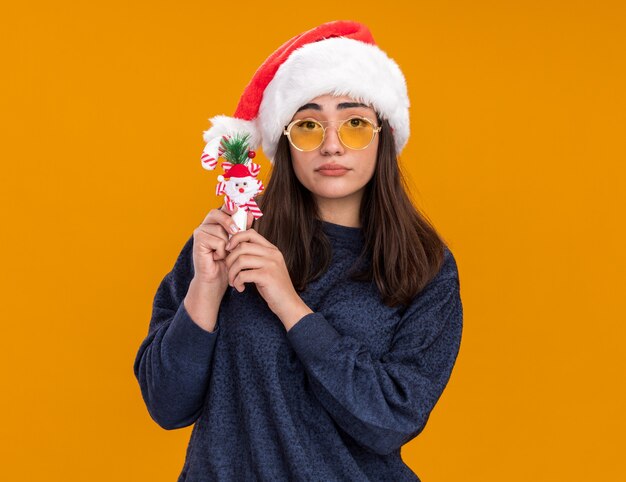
(346, 233)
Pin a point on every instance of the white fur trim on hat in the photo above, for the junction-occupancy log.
(224, 125)
(337, 66)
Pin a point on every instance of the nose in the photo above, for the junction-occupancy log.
(240, 189)
(331, 145)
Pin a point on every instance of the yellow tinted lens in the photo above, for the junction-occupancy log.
(356, 133)
(306, 135)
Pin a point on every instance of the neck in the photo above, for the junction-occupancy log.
(343, 211)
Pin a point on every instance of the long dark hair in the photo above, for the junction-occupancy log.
(402, 251)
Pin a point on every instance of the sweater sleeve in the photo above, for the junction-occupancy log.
(383, 403)
(173, 362)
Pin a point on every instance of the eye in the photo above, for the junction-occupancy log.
(245, 183)
(307, 125)
(236, 184)
(357, 122)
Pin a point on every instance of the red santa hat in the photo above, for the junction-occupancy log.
(237, 170)
(337, 58)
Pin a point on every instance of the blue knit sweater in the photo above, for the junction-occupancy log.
(332, 399)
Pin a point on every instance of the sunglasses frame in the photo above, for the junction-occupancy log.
(287, 132)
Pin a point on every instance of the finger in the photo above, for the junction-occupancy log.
(214, 230)
(217, 247)
(203, 238)
(248, 249)
(249, 276)
(249, 235)
(217, 216)
(244, 262)
(213, 243)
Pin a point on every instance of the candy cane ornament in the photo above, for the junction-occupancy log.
(239, 184)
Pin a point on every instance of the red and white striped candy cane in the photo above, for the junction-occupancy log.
(222, 147)
(254, 169)
(230, 205)
(209, 154)
(253, 207)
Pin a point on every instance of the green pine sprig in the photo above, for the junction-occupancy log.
(236, 149)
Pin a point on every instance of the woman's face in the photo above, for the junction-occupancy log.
(317, 169)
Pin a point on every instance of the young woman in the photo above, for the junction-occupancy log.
(315, 344)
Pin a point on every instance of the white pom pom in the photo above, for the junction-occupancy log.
(220, 178)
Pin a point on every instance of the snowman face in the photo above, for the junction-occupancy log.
(241, 189)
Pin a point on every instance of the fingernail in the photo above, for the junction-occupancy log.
(234, 228)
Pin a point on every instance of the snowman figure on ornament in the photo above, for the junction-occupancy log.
(239, 184)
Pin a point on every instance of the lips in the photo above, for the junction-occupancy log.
(332, 170)
(332, 167)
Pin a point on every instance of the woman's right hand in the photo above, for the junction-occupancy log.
(209, 241)
(210, 271)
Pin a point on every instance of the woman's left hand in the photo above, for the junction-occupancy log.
(253, 259)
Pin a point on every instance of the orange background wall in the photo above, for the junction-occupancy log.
(517, 155)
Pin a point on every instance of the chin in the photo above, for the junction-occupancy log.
(335, 192)
(332, 188)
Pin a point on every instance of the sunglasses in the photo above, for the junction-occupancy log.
(308, 134)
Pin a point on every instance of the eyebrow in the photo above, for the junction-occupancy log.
(310, 106)
(343, 105)
(349, 105)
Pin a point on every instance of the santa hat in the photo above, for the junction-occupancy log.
(338, 58)
(237, 170)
